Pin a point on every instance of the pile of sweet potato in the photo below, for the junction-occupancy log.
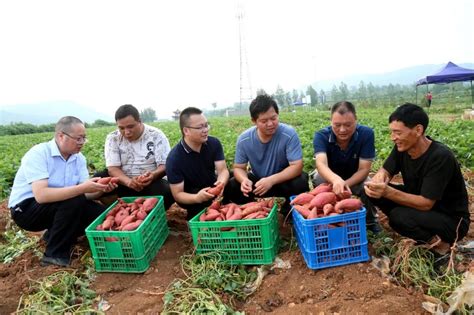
(127, 216)
(322, 202)
(231, 211)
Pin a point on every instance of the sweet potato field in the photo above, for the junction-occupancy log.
(389, 275)
(456, 133)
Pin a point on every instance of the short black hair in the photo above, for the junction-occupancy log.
(127, 110)
(410, 115)
(343, 107)
(262, 104)
(185, 114)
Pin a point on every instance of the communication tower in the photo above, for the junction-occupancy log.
(246, 94)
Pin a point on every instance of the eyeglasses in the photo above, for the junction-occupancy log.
(200, 128)
(79, 140)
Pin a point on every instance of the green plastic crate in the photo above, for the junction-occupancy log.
(129, 251)
(250, 242)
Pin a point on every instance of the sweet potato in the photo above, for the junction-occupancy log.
(302, 199)
(212, 214)
(127, 220)
(324, 187)
(313, 214)
(303, 210)
(237, 215)
(132, 226)
(323, 198)
(251, 209)
(100, 227)
(248, 204)
(108, 222)
(202, 217)
(348, 205)
(252, 215)
(216, 190)
(114, 180)
(346, 194)
(120, 216)
(139, 200)
(149, 204)
(141, 215)
(328, 208)
(216, 204)
(104, 180)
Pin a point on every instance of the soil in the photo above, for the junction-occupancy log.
(354, 288)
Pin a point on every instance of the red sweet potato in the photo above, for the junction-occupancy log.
(346, 194)
(141, 215)
(313, 214)
(132, 226)
(303, 210)
(328, 208)
(237, 215)
(251, 209)
(107, 224)
(216, 190)
(323, 198)
(202, 217)
(348, 205)
(215, 204)
(127, 220)
(120, 216)
(212, 214)
(324, 187)
(302, 199)
(149, 204)
(104, 180)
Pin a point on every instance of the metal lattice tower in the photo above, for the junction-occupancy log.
(246, 94)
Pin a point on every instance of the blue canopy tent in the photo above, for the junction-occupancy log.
(450, 73)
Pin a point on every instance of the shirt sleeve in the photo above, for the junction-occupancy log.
(162, 149)
(35, 166)
(320, 143)
(111, 151)
(219, 154)
(173, 173)
(82, 169)
(293, 148)
(240, 155)
(368, 146)
(391, 164)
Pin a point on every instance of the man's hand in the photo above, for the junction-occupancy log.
(145, 179)
(339, 185)
(203, 195)
(375, 190)
(135, 184)
(246, 187)
(263, 186)
(92, 186)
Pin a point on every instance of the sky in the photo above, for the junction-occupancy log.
(168, 55)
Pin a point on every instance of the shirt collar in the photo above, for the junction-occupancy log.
(54, 149)
(186, 147)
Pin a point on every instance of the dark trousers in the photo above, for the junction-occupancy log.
(157, 187)
(65, 221)
(286, 189)
(419, 225)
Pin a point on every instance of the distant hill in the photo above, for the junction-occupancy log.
(48, 112)
(403, 76)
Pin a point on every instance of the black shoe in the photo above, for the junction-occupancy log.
(58, 261)
(45, 236)
(374, 227)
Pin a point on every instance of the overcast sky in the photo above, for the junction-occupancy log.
(173, 54)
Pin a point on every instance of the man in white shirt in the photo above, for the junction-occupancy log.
(136, 153)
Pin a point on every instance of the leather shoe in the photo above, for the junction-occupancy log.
(374, 227)
(58, 261)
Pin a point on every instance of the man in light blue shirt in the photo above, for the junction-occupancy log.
(273, 152)
(52, 191)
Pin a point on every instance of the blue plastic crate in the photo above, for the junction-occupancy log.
(332, 241)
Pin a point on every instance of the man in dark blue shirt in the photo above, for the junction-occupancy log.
(196, 163)
(344, 153)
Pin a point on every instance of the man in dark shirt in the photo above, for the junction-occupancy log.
(431, 207)
(196, 163)
(344, 153)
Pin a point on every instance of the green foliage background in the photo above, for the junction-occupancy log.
(457, 134)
